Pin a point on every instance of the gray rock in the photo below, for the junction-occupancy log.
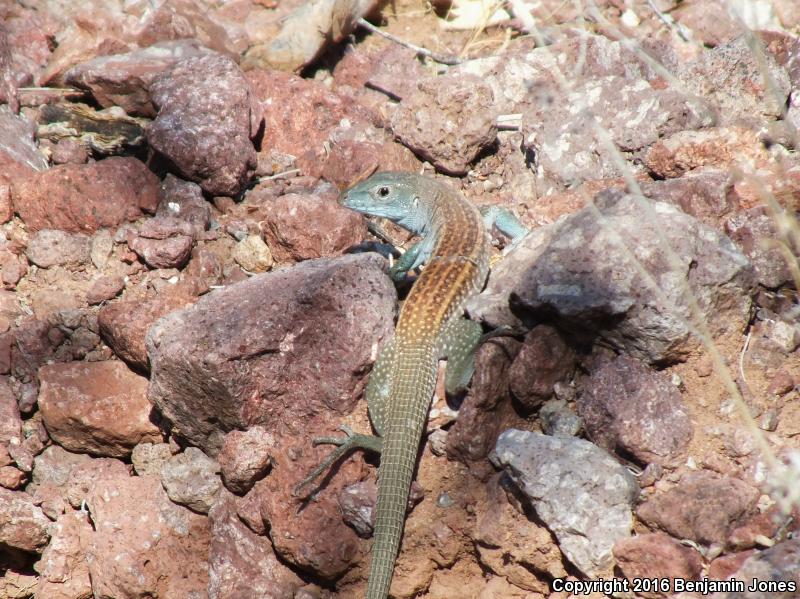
(51, 247)
(580, 271)
(184, 200)
(578, 490)
(286, 350)
(149, 458)
(626, 406)
(755, 232)
(771, 567)
(558, 419)
(191, 479)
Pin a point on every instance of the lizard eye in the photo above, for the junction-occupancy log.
(383, 192)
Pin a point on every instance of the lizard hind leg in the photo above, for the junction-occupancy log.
(459, 341)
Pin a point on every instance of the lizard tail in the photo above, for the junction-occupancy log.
(413, 383)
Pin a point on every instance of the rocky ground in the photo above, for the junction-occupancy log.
(180, 313)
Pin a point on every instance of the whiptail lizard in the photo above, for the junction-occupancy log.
(455, 249)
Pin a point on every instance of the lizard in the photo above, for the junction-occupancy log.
(455, 248)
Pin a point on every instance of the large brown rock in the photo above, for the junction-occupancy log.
(63, 570)
(544, 360)
(205, 120)
(85, 197)
(96, 407)
(282, 349)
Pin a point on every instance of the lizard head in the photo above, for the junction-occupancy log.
(397, 196)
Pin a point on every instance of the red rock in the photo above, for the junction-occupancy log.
(183, 200)
(762, 525)
(19, 156)
(702, 506)
(657, 555)
(350, 161)
(781, 383)
(204, 122)
(63, 570)
(281, 349)
(84, 476)
(448, 121)
(6, 208)
(543, 360)
(12, 478)
(96, 407)
(172, 252)
(245, 458)
(124, 79)
(30, 36)
(314, 538)
(69, 151)
(130, 514)
(104, 288)
(242, 563)
(23, 526)
(123, 324)
(10, 421)
(486, 410)
(301, 115)
(85, 197)
(726, 566)
(755, 231)
(717, 147)
(298, 227)
(704, 193)
(628, 406)
(12, 269)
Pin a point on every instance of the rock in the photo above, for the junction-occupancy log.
(10, 421)
(514, 545)
(23, 526)
(659, 556)
(242, 563)
(245, 353)
(772, 567)
(50, 247)
(82, 198)
(123, 324)
(357, 502)
(709, 21)
(164, 242)
(12, 478)
(732, 77)
(349, 160)
(149, 458)
(63, 570)
(579, 491)
(577, 272)
(245, 458)
(314, 538)
(129, 513)
(69, 151)
(629, 408)
(448, 121)
(103, 289)
(205, 121)
(487, 409)
(563, 132)
(298, 227)
(303, 117)
(190, 479)
(53, 466)
(543, 360)
(83, 478)
(96, 407)
(253, 255)
(755, 232)
(703, 507)
(124, 79)
(726, 566)
(558, 419)
(717, 147)
(704, 193)
(183, 200)
(18, 152)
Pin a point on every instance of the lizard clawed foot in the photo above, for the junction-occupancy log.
(344, 444)
(503, 330)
